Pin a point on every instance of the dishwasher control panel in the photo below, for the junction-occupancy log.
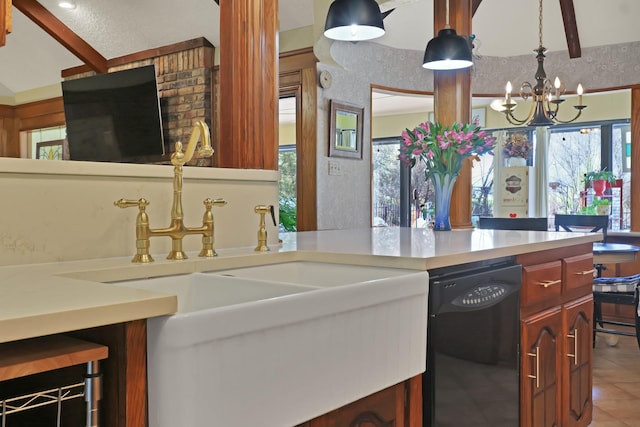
(481, 296)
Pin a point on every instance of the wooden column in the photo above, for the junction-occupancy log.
(635, 157)
(452, 99)
(248, 85)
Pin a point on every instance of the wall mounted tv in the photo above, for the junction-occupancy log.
(114, 117)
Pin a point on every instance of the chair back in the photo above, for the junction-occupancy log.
(584, 223)
(533, 224)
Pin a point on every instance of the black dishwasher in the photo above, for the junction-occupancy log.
(472, 376)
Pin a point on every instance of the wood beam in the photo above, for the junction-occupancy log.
(248, 85)
(570, 28)
(475, 4)
(63, 34)
(452, 100)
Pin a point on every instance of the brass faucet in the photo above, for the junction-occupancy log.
(177, 229)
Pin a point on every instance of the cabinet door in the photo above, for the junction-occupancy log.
(382, 409)
(577, 318)
(541, 366)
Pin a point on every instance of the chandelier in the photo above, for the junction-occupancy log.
(546, 97)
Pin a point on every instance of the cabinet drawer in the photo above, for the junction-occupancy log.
(578, 272)
(541, 281)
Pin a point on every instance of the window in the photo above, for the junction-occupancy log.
(41, 143)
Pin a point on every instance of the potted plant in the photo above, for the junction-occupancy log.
(599, 206)
(598, 180)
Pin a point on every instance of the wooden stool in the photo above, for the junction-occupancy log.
(32, 356)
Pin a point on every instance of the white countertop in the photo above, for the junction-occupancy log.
(43, 299)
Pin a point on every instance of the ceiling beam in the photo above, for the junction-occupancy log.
(570, 28)
(474, 6)
(63, 34)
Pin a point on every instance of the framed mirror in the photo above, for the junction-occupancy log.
(345, 133)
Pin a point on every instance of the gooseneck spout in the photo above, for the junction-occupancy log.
(176, 229)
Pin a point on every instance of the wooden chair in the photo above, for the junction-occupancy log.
(616, 290)
(533, 224)
(584, 223)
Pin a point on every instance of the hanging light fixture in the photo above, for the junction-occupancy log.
(447, 51)
(546, 97)
(354, 20)
(67, 4)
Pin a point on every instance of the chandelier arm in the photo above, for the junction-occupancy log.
(549, 112)
(515, 121)
(555, 118)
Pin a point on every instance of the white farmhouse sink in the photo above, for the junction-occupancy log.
(200, 291)
(278, 351)
(314, 273)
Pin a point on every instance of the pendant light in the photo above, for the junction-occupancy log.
(354, 20)
(447, 51)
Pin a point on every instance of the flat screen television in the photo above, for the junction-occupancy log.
(114, 117)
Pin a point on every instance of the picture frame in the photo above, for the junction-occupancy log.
(51, 150)
(345, 130)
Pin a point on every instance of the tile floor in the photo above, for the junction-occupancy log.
(616, 383)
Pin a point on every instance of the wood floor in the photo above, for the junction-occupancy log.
(616, 383)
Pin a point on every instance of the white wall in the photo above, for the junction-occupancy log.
(63, 210)
(344, 200)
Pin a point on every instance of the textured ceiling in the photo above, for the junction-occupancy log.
(32, 59)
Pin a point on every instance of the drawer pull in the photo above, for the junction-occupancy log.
(537, 375)
(575, 346)
(548, 283)
(584, 273)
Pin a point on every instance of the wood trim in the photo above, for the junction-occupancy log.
(414, 404)
(63, 34)
(635, 158)
(570, 28)
(4, 10)
(41, 114)
(296, 60)
(8, 21)
(136, 373)
(474, 6)
(307, 160)
(144, 55)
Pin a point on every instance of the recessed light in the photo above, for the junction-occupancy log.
(67, 4)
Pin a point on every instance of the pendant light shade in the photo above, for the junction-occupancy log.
(448, 51)
(354, 20)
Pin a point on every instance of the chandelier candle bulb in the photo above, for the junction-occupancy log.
(580, 92)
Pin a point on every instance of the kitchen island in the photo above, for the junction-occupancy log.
(54, 298)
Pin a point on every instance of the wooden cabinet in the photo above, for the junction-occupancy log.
(556, 308)
(397, 406)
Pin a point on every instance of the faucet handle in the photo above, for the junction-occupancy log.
(129, 203)
(142, 228)
(207, 224)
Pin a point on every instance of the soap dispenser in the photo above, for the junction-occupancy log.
(262, 229)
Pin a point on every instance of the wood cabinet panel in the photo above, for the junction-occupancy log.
(578, 273)
(577, 319)
(385, 408)
(541, 281)
(541, 365)
(556, 338)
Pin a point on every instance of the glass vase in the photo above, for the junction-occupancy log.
(443, 187)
